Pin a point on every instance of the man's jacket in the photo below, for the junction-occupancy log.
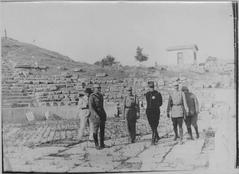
(192, 103)
(154, 100)
(96, 107)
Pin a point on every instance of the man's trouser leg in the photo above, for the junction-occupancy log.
(131, 122)
(188, 125)
(83, 121)
(155, 122)
(95, 134)
(133, 131)
(102, 134)
(153, 136)
(180, 124)
(151, 123)
(194, 123)
(156, 129)
(91, 130)
(175, 129)
(96, 126)
(129, 129)
(153, 131)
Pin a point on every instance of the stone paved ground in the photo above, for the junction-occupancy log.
(52, 147)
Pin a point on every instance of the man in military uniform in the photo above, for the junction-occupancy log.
(97, 115)
(177, 107)
(154, 101)
(193, 110)
(131, 113)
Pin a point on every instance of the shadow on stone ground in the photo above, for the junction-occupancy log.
(53, 147)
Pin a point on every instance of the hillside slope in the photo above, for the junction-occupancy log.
(18, 53)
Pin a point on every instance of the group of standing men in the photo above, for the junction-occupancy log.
(182, 105)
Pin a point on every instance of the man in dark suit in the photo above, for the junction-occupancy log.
(154, 101)
(193, 110)
(97, 116)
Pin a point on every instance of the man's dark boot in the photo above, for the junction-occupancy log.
(96, 141)
(176, 133)
(196, 130)
(190, 133)
(157, 138)
(132, 137)
(102, 139)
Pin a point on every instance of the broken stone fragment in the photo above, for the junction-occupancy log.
(30, 116)
(52, 116)
(47, 115)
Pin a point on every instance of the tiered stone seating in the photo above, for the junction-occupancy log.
(37, 90)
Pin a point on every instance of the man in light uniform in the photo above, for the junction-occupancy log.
(84, 114)
(131, 113)
(177, 107)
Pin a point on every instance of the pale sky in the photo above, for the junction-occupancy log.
(89, 31)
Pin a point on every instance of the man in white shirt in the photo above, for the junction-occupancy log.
(84, 114)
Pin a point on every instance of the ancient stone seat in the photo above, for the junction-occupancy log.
(62, 104)
(54, 104)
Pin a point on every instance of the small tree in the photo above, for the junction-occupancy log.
(107, 61)
(140, 56)
(98, 63)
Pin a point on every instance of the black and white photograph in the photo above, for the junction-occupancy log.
(119, 87)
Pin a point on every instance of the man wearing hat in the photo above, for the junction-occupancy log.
(193, 110)
(97, 115)
(131, 113)
(154, 101)
(176, 108)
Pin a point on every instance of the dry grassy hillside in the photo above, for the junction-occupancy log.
(19, 53)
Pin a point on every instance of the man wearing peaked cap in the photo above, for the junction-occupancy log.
(151, 84)
(131, 112)
(97, 116)
(175, 109)
(154, 101)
